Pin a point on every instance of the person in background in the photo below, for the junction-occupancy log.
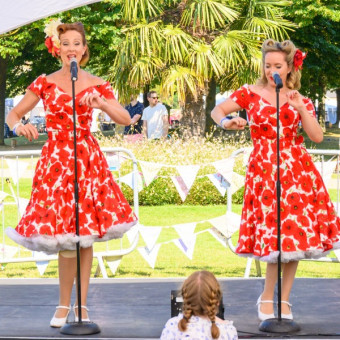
(135, 109)
(155, 118)
(309, 224)
(49, 222)
(201, 294)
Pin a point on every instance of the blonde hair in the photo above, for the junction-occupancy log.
(201, 294)
(289, 49)
(79, 27)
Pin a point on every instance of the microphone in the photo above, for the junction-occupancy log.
(277, 80)
(74, 69)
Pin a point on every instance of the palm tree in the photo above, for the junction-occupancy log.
(187, 46)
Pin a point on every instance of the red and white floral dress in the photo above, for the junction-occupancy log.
(309, 224)
(48, 223)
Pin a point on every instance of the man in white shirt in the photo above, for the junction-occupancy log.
(155, 118)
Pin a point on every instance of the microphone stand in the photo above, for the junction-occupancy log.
(80, 327)
(278, 325)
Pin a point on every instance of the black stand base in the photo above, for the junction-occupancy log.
(80, 328)
(279, 326)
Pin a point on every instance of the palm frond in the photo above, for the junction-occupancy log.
(135, 10)
(207, 14)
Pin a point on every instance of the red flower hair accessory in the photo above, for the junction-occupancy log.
(298, 59)
(52, 41)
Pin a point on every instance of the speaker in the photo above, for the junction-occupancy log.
(177, 304)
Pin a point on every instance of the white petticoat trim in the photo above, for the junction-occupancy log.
(54, 244)
(292, 256)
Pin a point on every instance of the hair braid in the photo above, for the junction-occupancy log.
(211, 313)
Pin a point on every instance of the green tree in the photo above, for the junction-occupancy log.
(318, 35)
(187, 47)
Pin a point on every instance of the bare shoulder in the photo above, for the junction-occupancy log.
(53, 77)
(92, 79)
(256, 88)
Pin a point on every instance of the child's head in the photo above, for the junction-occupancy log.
(201, 297)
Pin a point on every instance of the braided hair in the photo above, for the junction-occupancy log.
(201, 294)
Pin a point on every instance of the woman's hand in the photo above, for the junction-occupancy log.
(294, 98)
(92, 100)
(236, 123)
(29, 131)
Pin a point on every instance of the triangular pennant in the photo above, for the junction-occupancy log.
(219, 182)
(225, 168)
(113, 161)
(246, 155)
(41, 265)
(22, 204)
(337, 253)
(186, 247)
(132, 233)
(7, 251)
(188, 174)
(185, 231)
(3, 195)
(128, 180)
(17, 169)
(150, 256)
(237, 182)
(218, 236)
(326, 171)
(114, 264)
(150, 171)
(227, 224)
(180, 186)
(150, 235)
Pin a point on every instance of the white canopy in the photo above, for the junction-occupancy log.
(16, 13)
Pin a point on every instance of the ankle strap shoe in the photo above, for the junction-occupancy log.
(290, 315)
(59, 322)
(76, 319)
(263, 316)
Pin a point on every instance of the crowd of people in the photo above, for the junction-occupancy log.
(310, 226)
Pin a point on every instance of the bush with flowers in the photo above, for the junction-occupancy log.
(176, 151)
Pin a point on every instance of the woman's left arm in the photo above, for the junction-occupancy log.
(111, 106)
(309, 123)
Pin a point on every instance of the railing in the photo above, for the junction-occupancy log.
(17, 169)
(332, 154)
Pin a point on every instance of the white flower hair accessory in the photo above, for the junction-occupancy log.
(52, 41)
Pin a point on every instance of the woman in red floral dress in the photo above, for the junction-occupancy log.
(48, 223)
(309, 224)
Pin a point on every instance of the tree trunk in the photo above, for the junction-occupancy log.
(3, 77)
(321, 105)
(193, 119)
(337, 107)
(210, 104)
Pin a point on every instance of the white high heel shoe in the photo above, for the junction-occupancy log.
(75, 308)
(290, 315)
(263, 316)
(59, 322)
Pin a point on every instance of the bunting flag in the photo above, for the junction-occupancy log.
(132, 233)
(180, 186)
(7, 251)
(246, 155)
(3, 195)
(150, 256)
(17, 169)
(186, 247)
(128, 180)
(219, 182)
(22, 204)
(326, 171)
(225, 168)
(227, 224)
(150, 171)
(113, 161)
(337, 253)
(218, 237)
(188, 173)
(41, 265)
(186, 232)
(237, 182)
(113, 262)
(150, 235)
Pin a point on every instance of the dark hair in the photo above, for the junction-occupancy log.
(79, 27)
(201, 296)
(150, 93)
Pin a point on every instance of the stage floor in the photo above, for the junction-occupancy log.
(139, 308)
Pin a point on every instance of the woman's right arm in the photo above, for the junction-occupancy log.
(224, 109)
(26, 104)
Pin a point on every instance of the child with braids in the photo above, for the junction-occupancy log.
(201, 297)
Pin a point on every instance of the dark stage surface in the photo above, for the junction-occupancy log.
(139, 308)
